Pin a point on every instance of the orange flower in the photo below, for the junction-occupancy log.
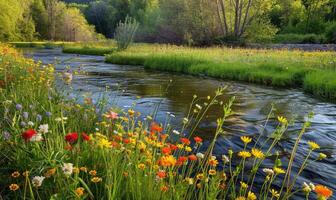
(166, 150)
(185, 141)
(167, 161)
(323, 191)
(161, 174)
(156, 128)
(164, 188)
(198, 139)
(192, 157)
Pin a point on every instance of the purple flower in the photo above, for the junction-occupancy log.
(48, 114)
(25, 115)
(6, 135)
(23, 124)
(38, 117)
(18, 106)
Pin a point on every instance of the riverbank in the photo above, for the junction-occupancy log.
(312, 71)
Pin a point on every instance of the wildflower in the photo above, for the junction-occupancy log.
(176, 132)
(15, 174)
(212, 172)
(6, 135)
(131, 112)
(251, 196)
(37, 181)
(185, 141)
(141, 166)
(71, 137)
(50, 172)
(257, 153)
(200, 176)
(200, 155)
(37, 138)
(23, 124)
(111, 115)
(161, 174)
(198, 106)
(18, 107)
(14, 187)
(83, 169)
(323, 192)
(321, 156)
(188, 149)
(213, 162)
(192, 157)
(25, 115)
(185, 120)
(244, 154)
(306, 188)
(156, 128)
(48, 114)
(79, 191)
(67, 77)
(198, 139)
(39, 117)
(75, 170)
(225, 159)
(282, 120)
(278, 170)
(166, 150)
(243, 185)
(44, 128)
(93, 172)
(30, 123)
(268, 171)
(67, 168)
(164, 188)
(96, 179)
(25, 173)
(85, 137)
(190, 181)
(28, 134)
(275, 193)
(240, 198)
(246, 139)
(313, 145)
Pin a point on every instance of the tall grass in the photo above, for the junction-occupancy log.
(55, 148)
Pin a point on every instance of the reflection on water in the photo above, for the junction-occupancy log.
(174, 92)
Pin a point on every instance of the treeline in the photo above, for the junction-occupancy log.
(212, 21)
(27, 20)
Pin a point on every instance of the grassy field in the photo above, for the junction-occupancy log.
(54, 148)
(315, 72)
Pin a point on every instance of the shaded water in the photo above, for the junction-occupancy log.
(252, 105)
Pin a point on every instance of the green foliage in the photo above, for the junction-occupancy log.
(125, 33)
(261, 31)
(299, 38)
(331, 32)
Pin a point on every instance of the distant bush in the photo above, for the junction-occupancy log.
(125, 33)
(299, 38)
(331, 33)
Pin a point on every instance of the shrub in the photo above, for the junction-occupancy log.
(125, 33)
(299, 38)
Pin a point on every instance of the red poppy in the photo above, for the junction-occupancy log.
(181, 160)
(166, 150)
(198, 139)
(192, 157)
(126, 140)
(156, 128)
(185, 141)
(85, 137)
(161, 174)
(173, 147)
(28, 134)
(71, 137)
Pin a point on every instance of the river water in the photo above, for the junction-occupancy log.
(174, 92)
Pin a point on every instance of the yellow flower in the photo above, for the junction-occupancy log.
(50, 172)
(93, 172)
(15, 174)
(257, 153)
(244, 154)
(282, 120)
(96, 179)
(190, 181)
(275, 193)
(131, 112)
(240, 198)
(200, 176)
(321, 156)
(278, 170)
(243, 185)
(246, 139)
(180, 146)
(212, 172)
(313, 145)
(141, 166)
(75, 170)
(14, 187)
(25, 173)
(79, 191)
(83, 169)
(251, 196)
(188, 149)
(104, 143)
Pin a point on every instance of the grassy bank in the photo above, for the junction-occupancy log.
(313, 71)
(98, 51)
(43, 45)
(55, 148)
